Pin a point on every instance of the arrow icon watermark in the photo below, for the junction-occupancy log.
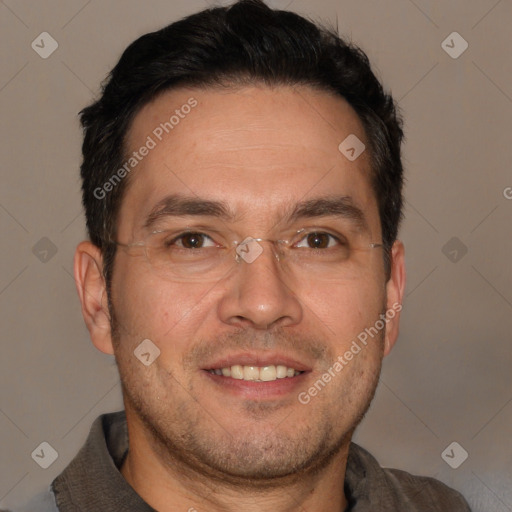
(44, 45)
(352, 147)
(45, 455)
(249, 250)
(454, 455)
(146, 352)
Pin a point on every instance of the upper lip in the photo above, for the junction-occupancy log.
(258, 359)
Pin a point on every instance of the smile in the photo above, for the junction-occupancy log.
(256, 373)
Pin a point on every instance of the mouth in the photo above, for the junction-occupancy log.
(256, 373)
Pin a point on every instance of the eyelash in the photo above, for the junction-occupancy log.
(180, 236)
(339, 239)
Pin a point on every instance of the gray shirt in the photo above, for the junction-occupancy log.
(92, 481)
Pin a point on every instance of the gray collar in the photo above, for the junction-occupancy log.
(92, 480)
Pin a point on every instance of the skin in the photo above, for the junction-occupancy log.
(195, 444)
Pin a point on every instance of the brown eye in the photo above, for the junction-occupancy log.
(187, 240)
(192, 240)
(318, 240)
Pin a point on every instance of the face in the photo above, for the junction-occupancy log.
(261, 163)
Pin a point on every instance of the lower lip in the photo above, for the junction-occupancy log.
(258, 390)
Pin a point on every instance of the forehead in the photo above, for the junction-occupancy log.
(258, 149)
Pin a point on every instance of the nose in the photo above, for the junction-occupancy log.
(258, 294)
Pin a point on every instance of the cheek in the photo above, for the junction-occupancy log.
(149, 307)
(346, 309)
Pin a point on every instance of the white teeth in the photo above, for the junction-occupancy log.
(281, 371)
(256, 373)
(237, 372)
(268, 373)
(251, 373)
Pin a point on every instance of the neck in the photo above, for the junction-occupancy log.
(170, 485)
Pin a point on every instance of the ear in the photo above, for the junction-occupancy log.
(395, 288)
(92, 292)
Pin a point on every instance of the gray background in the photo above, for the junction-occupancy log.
(448, 379)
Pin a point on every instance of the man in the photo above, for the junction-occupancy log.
(242, 183)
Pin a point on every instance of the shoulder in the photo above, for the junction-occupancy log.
(395, 489)
(42, 502)
(426, 491)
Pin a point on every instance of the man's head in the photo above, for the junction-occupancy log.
(252, 122)
(245, 44)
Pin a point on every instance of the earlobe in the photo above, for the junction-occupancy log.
(395, 288)
(92, 292)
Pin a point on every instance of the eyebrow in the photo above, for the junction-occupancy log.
(333, 206)
(176, 205)
(181, 206)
